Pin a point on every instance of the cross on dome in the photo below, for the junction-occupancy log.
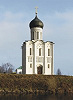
(36, 10)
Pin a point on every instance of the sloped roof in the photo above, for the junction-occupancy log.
(20, 67)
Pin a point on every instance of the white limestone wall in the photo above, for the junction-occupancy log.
(39, 60)
(35, 59)
(52, 59)
(36, 31)
(29, 58)
(47, 59)
(19, 71)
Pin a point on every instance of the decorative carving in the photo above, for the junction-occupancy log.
(39, 59)
(48, 59)
(29, 59)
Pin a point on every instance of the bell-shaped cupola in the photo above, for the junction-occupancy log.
(36, 27)
(36, 23)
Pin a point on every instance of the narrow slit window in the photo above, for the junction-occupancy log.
(30, 65)
(39, 51)
(37, 35)
(48, 52)
(48, 65)
(30, 51)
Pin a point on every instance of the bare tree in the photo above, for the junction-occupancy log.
(58, 72)
(7, 68)
(1, 69)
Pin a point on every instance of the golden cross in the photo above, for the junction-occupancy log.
(36, 10)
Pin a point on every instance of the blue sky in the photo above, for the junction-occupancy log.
(57, 16)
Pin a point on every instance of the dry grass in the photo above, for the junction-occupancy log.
(52, 84)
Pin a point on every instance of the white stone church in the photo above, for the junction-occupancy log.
(37, 55)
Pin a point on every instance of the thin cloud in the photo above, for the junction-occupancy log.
(12, 17)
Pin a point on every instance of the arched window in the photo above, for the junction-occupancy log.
(39, 51)
(30, 51)
(48, 65)
(30, 65)
(48, 52)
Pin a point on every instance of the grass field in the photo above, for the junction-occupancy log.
(50, 84)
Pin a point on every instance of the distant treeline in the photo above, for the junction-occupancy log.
(36, 84)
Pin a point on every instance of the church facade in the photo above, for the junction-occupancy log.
(37, 55)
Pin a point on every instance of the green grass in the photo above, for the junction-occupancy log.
(50, 84)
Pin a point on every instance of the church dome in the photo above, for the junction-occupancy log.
(36, 23)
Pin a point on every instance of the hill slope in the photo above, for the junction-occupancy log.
(50, 84)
